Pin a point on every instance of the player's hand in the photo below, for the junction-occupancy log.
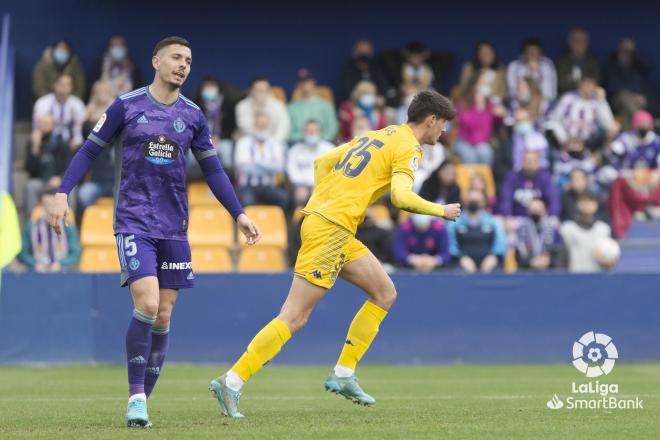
(249, 229)
(452, 212)
(57, 211)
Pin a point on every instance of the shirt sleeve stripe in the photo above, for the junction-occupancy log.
(202, 154)
(98, 141)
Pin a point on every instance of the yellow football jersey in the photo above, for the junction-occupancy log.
(363, 172)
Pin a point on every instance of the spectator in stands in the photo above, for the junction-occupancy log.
(44, 250)
(485, 63)
(477, 239)
(572, 155)
(311, 106)
(408, 92)
(576, 62)
(375, 236)
(415, 70)
(363, 67)
(476, 116)
(421, 243)
(525, 137)
(532, 64)
(117, 68)
(360, 126)
(48, 155)
(300, 161)
(538, 242)
(578, 184)
(365, 103)
(67, 110)
(440, 186)
(528, 96)
(260, 162)
(627, 80)
(581, 236)
(640, 144)
(477, 182)
(102, 175)
(584, 114)
(434, 156)
(523, 186)
(56, 60)
(260, 100)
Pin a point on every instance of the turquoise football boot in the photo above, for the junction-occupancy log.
(349, 388)
(136, 414)
(226, 397)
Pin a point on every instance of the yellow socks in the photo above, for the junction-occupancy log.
(263, 347)
(361, 333)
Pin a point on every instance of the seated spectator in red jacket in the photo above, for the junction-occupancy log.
(421, 243)
(538, 241)
(634, 192)
(365, 103)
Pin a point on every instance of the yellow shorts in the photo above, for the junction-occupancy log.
(325, 248)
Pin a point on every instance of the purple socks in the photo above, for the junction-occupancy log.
(160, 339)
(138, 345)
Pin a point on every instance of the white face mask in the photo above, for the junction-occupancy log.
(368, 100)
(421, 221)
(485, 90)
(261, 135)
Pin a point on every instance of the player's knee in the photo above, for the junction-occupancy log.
(163, 318)
(148, 307)
(295, 323)
(386, 297)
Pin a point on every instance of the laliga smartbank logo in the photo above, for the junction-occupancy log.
(594, 355)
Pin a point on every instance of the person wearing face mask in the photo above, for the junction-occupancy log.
(311, 106)
(538, 242)
(421, 243)
(259, 162)
(524, 137)
(532, 64)
(117, 68)
(300, 161)
(57, 59)
(484, 60)
(364, 102)
(477, 240)
(640, 145)
(260, 100)
(363, 67)
(477, 117)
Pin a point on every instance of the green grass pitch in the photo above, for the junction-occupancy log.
(457, 401)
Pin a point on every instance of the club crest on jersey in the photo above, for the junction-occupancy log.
(160, 151)
(179, 125)
(414, 163)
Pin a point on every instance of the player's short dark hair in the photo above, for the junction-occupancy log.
(428, 103)
(168, 41)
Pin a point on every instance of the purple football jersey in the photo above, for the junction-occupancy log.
(152, 142)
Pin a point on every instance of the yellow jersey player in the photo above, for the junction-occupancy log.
(347, 180)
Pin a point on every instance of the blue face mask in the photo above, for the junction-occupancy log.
(312, 140)
(523, 128)
(61, 56)
(210, 93)
(118, 53)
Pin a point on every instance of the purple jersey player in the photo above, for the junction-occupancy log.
(152, 129)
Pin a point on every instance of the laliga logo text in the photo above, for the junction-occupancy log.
(594, 355)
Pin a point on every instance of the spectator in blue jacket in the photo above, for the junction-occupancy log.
(421, 243)
(477, 239)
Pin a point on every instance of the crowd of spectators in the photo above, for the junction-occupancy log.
(569, 145)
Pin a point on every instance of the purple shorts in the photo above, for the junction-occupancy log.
(168, 260)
